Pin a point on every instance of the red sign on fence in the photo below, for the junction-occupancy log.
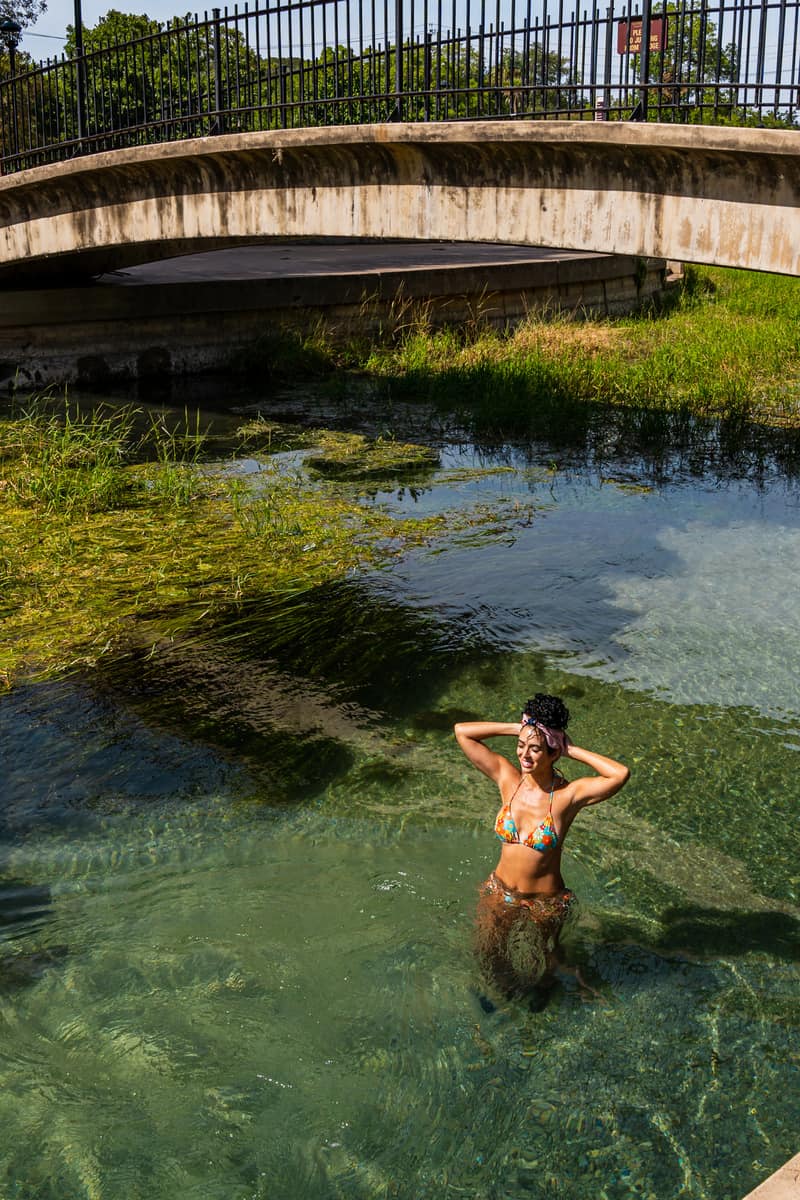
(629, 36)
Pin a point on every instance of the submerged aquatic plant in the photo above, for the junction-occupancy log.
(101, 548)
(353, 456)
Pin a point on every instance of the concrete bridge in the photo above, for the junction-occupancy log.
(724, 196)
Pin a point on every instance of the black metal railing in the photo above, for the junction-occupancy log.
(329, 62)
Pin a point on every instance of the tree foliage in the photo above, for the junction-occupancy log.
(692, 60)
(141, 73)
(24, 11)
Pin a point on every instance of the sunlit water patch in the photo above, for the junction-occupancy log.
(685, 589)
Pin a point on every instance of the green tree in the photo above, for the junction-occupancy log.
(692, 60)
(539, 81)
(24, 11)
(162, 79)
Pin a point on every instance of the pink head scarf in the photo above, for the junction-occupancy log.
(556, 738)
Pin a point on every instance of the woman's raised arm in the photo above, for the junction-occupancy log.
(610, 777)
(470, 736)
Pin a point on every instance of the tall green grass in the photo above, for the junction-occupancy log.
(60, 458)
(726, 345)
(66, 461)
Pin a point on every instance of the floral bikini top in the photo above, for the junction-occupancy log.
(543, 837)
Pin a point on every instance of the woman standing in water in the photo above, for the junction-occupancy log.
(524, 902)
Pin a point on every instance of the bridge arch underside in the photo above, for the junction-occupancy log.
(729, 197)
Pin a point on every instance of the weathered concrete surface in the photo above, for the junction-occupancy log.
(201, 312)
(783, 1185)
(688, 193)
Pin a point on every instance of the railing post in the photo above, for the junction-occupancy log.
(644, 60)
(12, 63)
(10, 31)
(607, 58)
(427, 73)
(283, 95)
(80, 74)
(219, 124)
(398, 61)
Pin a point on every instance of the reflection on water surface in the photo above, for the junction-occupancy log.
(238, 877)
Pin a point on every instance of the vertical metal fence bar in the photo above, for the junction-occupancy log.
(25, 106)
(398, 60)
(779, 58)
(453, 67)
(512, 62)
(191, 81)
(247, 98)
(38, 127)
(351, 111)
(465, 47)
(578, 72)
(560, 56)
(336, 78)
(662, 32)
(37, 117)
(426, 74)
(525, 65)
(794, 82)
(594, 54)
(538, 40)
(644, 60)
(362, 85)
(99, 93)
(233, 78)
(270, 72)
(217, 43)
(282, 68)
(762, 55)
(747, 17)
(198, 69)
(145, 112)
(499, 25)
(702, 27)
(49, 107)
(427, 62)
(717, 66)
(410, 46)
(738, 19)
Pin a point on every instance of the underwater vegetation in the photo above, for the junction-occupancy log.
(118, 528)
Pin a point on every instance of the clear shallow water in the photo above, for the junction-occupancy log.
(237, 884)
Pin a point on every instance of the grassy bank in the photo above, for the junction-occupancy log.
(117, 529)
(727, 346)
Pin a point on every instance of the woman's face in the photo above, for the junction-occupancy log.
(532, 750)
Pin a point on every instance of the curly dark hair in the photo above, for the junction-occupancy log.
(549, 711)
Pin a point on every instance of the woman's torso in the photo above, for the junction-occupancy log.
(541, 819)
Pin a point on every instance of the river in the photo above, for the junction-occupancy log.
(239, 876)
